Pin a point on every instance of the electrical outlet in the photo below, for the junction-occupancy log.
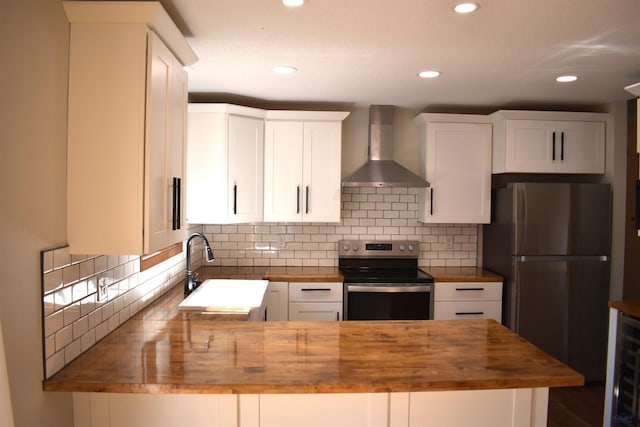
(103, 290)
(448, 242)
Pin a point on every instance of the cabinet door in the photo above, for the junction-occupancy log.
(246, 154)
(529, 146)
(315, 311)
(277, 298)
(581, 147)
(468, 291)
(458, 167)
(452, 310)
(322, 171)
(105, 150)
(315, 291)
(283, 191)
(207, 168)
(164, 149)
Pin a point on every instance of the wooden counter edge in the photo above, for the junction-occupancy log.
(462, 274)
(89, 387)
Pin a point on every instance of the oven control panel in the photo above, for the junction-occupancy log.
(380, 249)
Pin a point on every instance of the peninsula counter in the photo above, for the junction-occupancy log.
(161, 368)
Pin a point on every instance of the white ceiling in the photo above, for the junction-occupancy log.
(362, 52)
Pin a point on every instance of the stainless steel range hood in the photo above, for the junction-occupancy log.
(381, 170)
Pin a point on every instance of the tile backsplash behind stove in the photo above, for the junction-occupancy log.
(367, 213)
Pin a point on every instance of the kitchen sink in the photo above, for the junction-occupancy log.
(226, 296)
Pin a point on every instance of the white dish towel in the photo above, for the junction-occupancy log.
(6, 413)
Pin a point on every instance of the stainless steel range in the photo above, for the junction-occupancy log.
(382, 281)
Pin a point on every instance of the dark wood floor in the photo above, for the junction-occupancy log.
(576, 406)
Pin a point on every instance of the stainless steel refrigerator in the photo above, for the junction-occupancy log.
(551, 242)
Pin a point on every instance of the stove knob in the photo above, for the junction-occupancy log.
(355, 248)
(411, 248)
(401, 248)
(345, 248)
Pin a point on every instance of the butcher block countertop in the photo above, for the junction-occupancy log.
(332, 274)
(273, 274)
(462, 274)
(631, 307)
(161, 351)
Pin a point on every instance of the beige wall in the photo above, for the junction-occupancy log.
(34, 52)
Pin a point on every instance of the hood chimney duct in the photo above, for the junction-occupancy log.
(381, 170)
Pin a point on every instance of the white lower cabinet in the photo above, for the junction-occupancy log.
(277, 299)
(315, 301)
(467, 300)
(523, 407)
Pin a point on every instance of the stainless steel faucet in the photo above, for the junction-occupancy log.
(191, 280)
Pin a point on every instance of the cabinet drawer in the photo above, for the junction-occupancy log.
(448, 310)
(315, 291)
(468, 291)
(315, 311)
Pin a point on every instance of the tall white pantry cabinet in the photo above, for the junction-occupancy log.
(126, 128)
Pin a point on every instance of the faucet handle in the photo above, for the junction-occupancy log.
(195, 278)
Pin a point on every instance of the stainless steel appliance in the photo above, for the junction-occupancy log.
(551, 242)
(382, 281)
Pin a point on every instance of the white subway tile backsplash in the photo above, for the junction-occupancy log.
(72, 351)
(63, 337)
(52, 280)
(74, 320)
(71, 313)
(101, 263)
(54, 363)
(61, 257)
(47, 261)
(88, 340)
(367, 213)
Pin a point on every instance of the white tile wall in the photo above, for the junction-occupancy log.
(367, 213)
(74, 319)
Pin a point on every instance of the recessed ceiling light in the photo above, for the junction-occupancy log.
(429, 74)
(293, 3)
(566, 79)
(284, 69)
(465, 7)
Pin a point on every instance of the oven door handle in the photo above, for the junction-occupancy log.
(394, 288)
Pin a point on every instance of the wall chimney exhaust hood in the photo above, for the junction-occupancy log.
(381, 170)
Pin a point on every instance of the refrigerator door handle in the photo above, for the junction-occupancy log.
(521, 218)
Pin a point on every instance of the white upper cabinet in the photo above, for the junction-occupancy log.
(302, 167)
(126, 128)
(456, 161)
(225, 156)
(549, 142)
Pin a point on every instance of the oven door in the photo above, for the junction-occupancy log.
(388, 301)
